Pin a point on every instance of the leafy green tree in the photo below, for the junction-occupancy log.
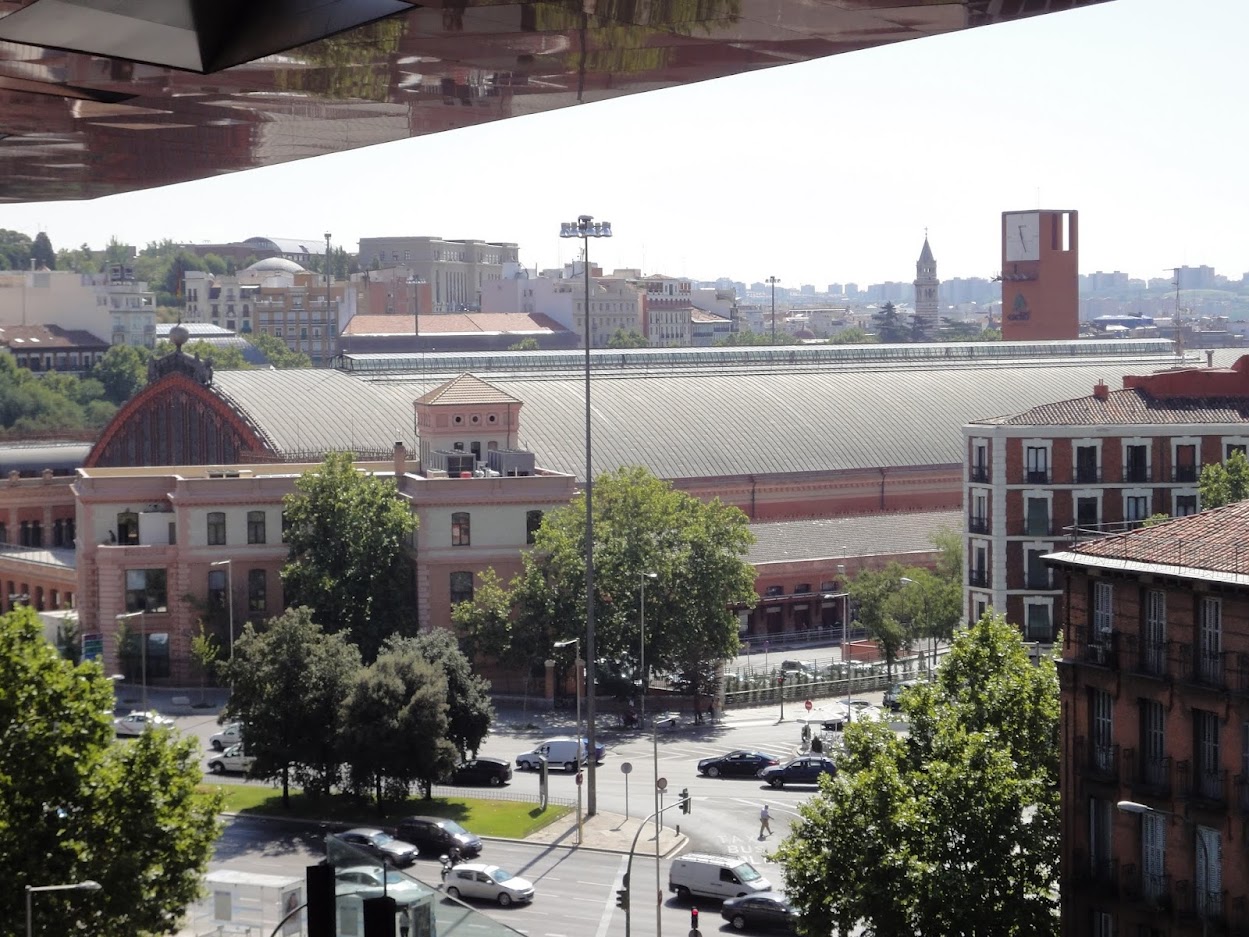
(123, 372)
(525, 344)
(469, 710)
(348, 557)
(874, 591)
(289, 683)
(117, 252)
(756, 338)
(221, 357)
(852, 336)
(641, 525)
(280, 354)
(41, 252)
(81, 260)
(1224, 482)
(15, 250)
(630, 339)
(890, 328)
(952, 829)
(205, 651)
(931, 603)
(75, 806)
(484, 624)
(394, 725)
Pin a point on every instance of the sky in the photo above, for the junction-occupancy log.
(1130, 112)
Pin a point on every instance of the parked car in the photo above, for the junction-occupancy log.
(483, 770)
(230, 734)
(599, 749)
(768, 910)
(798, 667)
(436, 836)
(804, 770)
(232, 761)
(379, 844)
(893, 695)
(138, 722)
(489, 883)
(366, 881)
(738, 764)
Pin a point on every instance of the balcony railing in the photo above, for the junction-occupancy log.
(978, 473)
(1038, 581)
(1101, 759)
(1200, 902)
(1098, 647)
(1136, 473)
(1242, 791)
(1209, 788)
(1037, 476)
(1087, 474)
(1184, 473)
(1148, 775)
(1099, 874)
(1204, 667)
(1154, 890)
(1038, 528)
(979, 578)
(977, 525)
(1146, 657)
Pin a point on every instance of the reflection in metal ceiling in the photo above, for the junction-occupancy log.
(94, 101)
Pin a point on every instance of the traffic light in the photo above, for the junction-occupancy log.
(693, 919)
(685, 800)
(622, 894)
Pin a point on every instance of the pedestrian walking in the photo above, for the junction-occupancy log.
(765, 825)
(405, 922)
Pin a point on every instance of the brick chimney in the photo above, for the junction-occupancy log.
(1101, 390)
(401, 460)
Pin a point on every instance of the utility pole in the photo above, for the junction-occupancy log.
(773, 281)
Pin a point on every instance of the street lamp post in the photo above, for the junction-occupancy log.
(1131, 806)
(576, 666)
(229, 565)
(773, 281)
(585, 227)
(642, 630)
(127, 616)
(88, 885)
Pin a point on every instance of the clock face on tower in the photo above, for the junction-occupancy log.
(1023, 236)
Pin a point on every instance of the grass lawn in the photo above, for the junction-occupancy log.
(483, 816)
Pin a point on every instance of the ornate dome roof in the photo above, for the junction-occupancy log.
(276, 265)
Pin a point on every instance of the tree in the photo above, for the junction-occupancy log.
(484, 624)
(889, 325)
(394, 723)
(348, 558)
(932, 603)
(75, 806)
(1225, 482)
(630, 339)
(41, 252)
(756, 338)
(15, 250)
(289, 683)
(854, 335)
(641, 525)
(525, 344)
(123, 372)
(952, 829)
(280, 354)
(469, 710)
(874, 591)
(205, 650)
(221, 357)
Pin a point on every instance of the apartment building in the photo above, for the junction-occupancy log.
(1051, 475)
(112, 306)
(1155, 729)
(456, 270)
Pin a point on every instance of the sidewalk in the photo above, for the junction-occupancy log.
(610, 832)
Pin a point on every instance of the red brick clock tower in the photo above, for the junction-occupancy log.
(1040, 270)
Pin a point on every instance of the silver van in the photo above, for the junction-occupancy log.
(566, 753)
(714, 877)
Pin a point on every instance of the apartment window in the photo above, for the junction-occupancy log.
(978, 522)
(1154, 658)
(1102, 729)
(1038, 621)
(1185, 463)
(461, 587)
(1207, 775)
(255, 526)
(1153, 854)
(1136, 463)
(1210, 640)
(978, 575)
(1088, 513)
(1208, 854)
(1086, 465)
(127, 527)
(1036, 460)
(460, 531)
(1037, 517)
(1153, 767)
(980, 462)
(217, 589)
(145, 591)
(533, 521)
(1099, 838)
(1135, 508)
(216, 528)
(1233, 447)
(1103, 924)
(1103, 610)
(257, 603)
(1037, 573)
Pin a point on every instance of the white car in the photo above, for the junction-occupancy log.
(138, 722)
(231, 734)
(366, 881)
(233, 760)
(488, 882)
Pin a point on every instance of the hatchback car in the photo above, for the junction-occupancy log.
(138, 722)
(231, 734)
(380, 845)
(371, 881)
(483, 770)
(768, 910)
(231, 761)
(437, 836)
(738, 764)
(805, 770)
(489, 883)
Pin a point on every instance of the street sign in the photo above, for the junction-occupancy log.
(625, 767)
(662, 784)
(578, 779)
(808, 705)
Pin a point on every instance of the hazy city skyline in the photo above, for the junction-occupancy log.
(820, 172)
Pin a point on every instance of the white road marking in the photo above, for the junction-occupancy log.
(605, 920)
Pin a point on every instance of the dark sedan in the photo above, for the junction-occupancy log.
(738, 764)
(804, 770)
(378, 844)
(491, 771)
(765, 910)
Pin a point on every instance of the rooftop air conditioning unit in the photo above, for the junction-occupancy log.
(511, 461)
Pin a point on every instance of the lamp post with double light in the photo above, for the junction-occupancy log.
(88, 885)
(1131, 806)
(585, 227)
(579, 677)
(129, 616)
(642, 631)
(229, 565)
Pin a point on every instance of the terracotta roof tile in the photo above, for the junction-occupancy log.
(1216, 540)
(1131, 407)
(466, 389)
(454, 323)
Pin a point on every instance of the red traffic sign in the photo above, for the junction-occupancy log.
(578, 778)
(808, 705)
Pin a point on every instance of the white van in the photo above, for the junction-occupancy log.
(567, 753)
(714, 877)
